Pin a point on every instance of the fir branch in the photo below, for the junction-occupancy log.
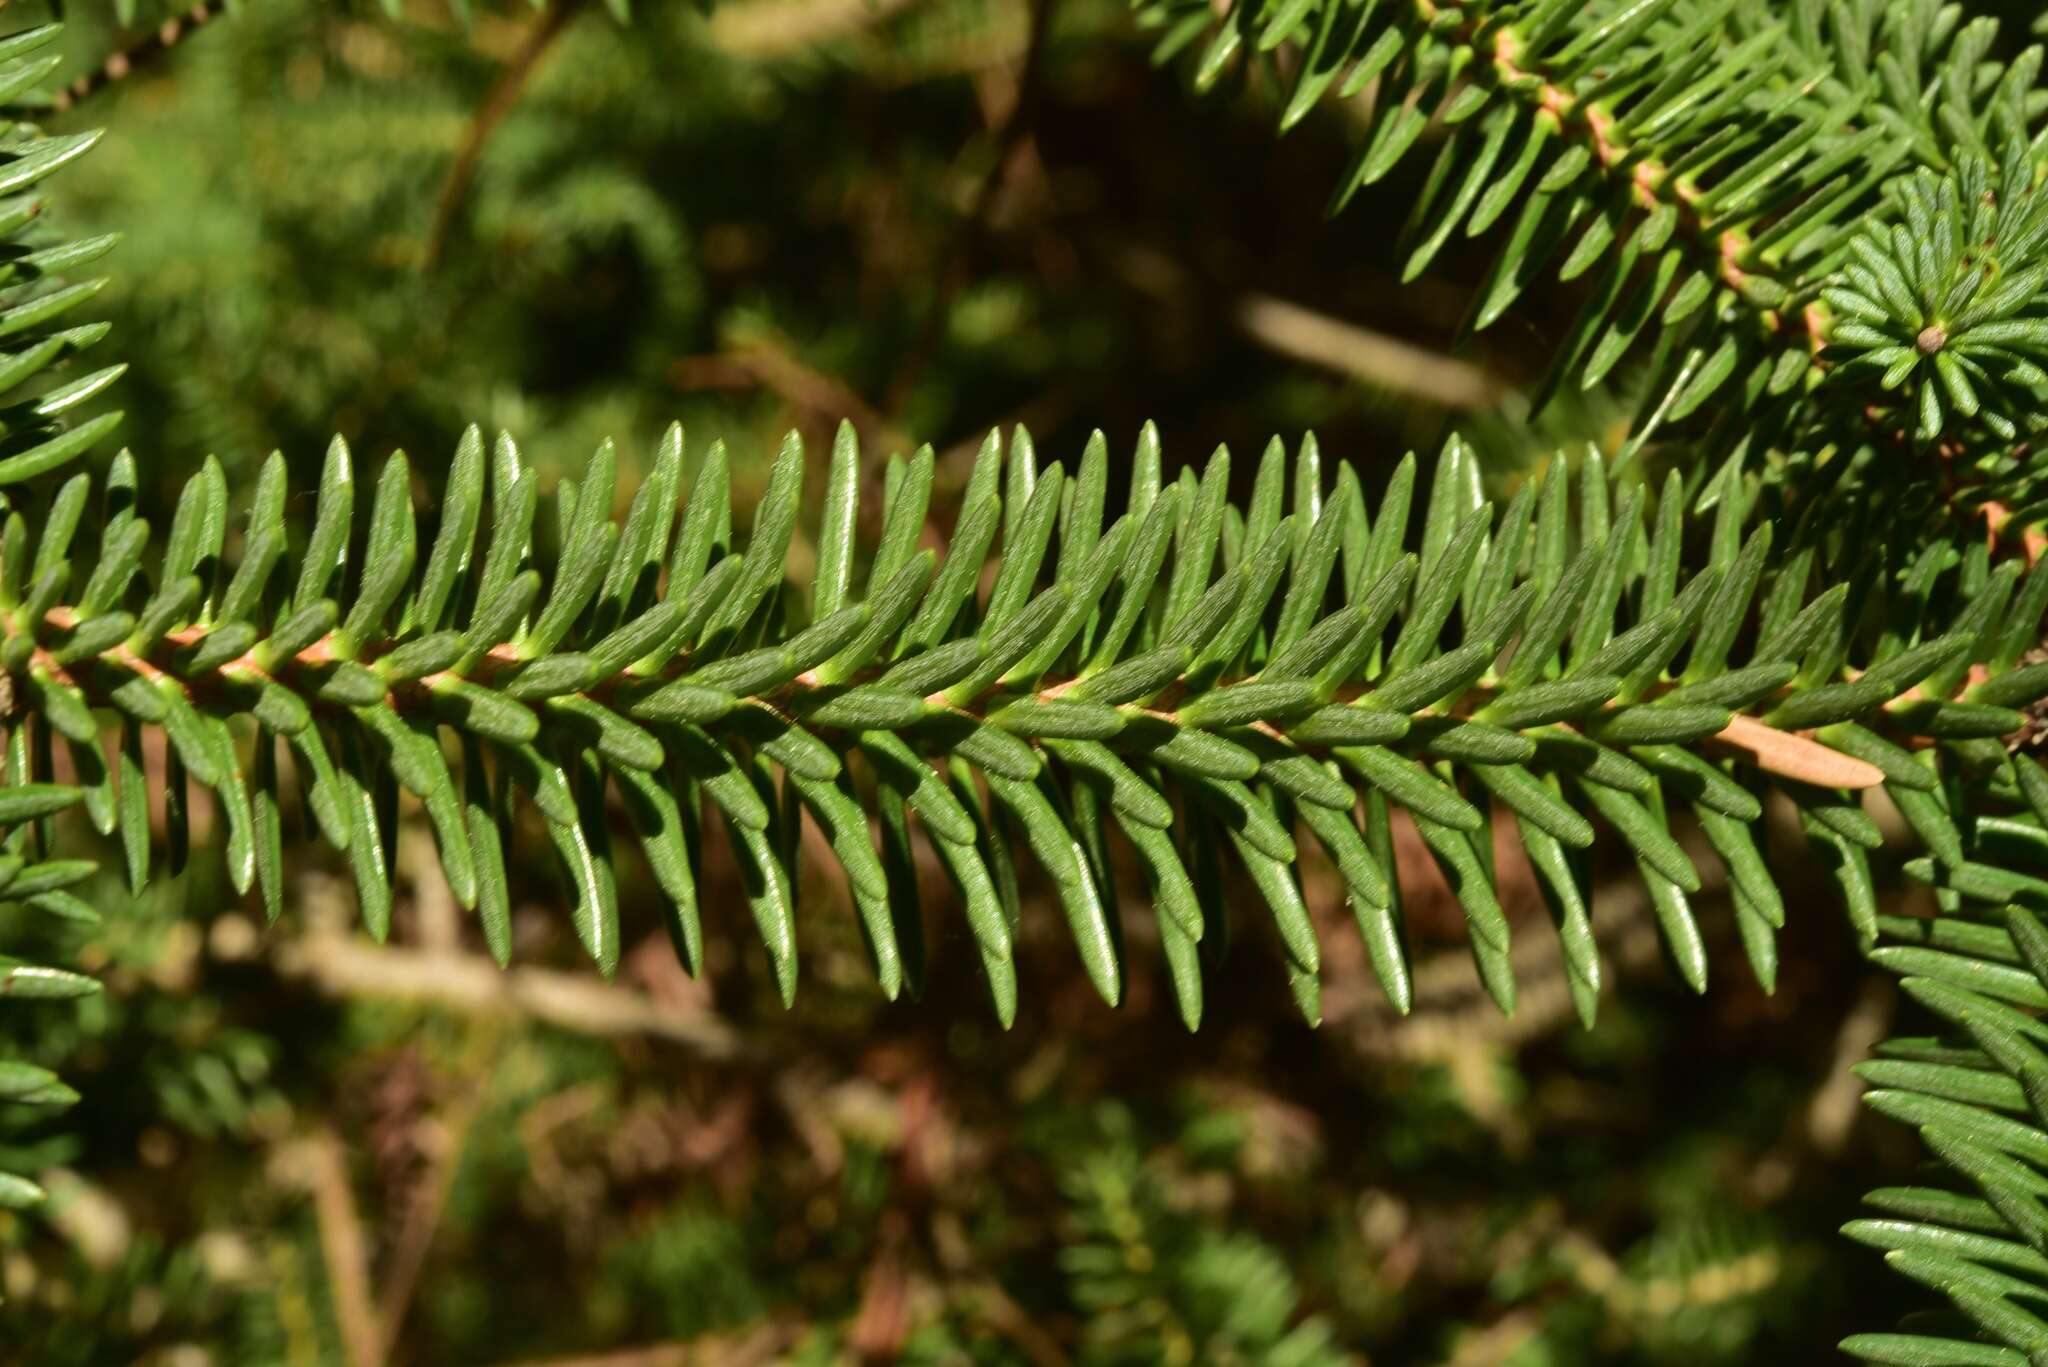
(39, 299)
(1974, 1092)
(498, 102)
(126, 61)
(1202, 676)
(1821, 222)
(1712, 170)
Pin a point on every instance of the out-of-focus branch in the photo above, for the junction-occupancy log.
(762, 359)
(498, 102)
(423, 1220)
(1008, 137)
(1453, 1016)
(1374, 358)
(342, 966)
(123, 63)
(1816, 1135)
(769, 28)
(1497, 1342)
(323, 1167)
(764, 1343)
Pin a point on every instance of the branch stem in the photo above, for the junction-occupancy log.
(498, 102)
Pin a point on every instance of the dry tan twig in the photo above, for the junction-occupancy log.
(763, 1343)
(1817, 1134)
(1497, 1342)
(1008, 133)
(423, 1217)
(342, 966)
(763, 360)
(1453, 1015)
(1375, 358)
(770, 28)
(342, 1248)
(498, 102)
(122, 64)
(1797, 757)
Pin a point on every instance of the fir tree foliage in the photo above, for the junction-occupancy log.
(1773, 203)
(1197, 674)
(1815, 226)
(39, 300)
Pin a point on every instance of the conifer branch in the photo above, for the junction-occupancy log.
(124, 62)
(498, 102)
(1819, 220)
(39, 331)
(1719, 174)
(1239, 677)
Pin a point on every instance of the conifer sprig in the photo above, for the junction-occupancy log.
(1975, 1228)
(1196, 674)
(1819, 221)
(39, 331)
(1713, 169)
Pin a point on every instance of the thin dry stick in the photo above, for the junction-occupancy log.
(974, 227)
(770, 28)
(123, 63)
(1373, 357)
(1452, 1012)
(341, 966)
(743, 1348)
(765, 360)
(504, 94)
(343, 1249)
(416, 1238)
(1010, 1319)
(1497, 1342)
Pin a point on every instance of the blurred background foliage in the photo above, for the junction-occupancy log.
(930, 216)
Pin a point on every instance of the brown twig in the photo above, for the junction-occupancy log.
(416, 1236)
(973, 229)
(123, 63)
(1373, 357)
(765, 29)
(1815, 1136)
(1002, 1313)
(343, 1249)
(765, 1343)
(498, 102)
(1452, 1013)
(764, 360)
(340, 965)
(1794, 756)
